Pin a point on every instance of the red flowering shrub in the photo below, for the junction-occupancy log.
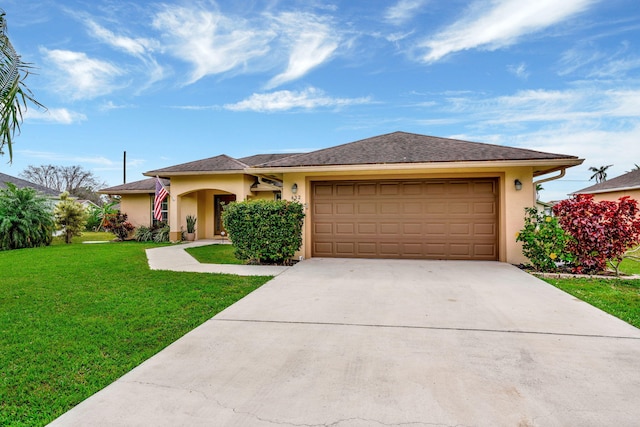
(600, 231)
(117, 224)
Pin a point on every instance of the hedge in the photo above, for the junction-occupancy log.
(264, 231)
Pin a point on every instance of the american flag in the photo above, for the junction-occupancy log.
(161, 193)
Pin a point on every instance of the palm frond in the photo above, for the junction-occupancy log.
(14, 94)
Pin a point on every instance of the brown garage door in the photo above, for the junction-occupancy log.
(431, 219)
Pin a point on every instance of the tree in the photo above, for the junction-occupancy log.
(70, 217)
(98, 215)
(601, 231)
(25, 218)
(600, 174)
(539, 188)
(75, 180)
(14, 94)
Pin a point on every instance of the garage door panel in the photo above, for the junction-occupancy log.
(438, 219)
(323, 208)
(484, 208)
(345, 248)
(345, 228)
(367, 208)
(462, 229)
(389, 208)
(414, 229)
(389, 228)
(345, 190)
(412, 208)
(342, 208)
(370, 228)
(320, 228)
(366, 189)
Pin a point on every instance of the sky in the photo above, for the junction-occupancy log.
(173, 82)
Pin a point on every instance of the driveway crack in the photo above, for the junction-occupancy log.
(435, 328)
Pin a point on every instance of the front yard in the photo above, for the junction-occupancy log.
(76, 317)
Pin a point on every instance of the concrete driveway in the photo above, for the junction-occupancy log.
(334, 342)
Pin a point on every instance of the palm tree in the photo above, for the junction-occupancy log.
(600, 174)
(13, 92)
(539, 188)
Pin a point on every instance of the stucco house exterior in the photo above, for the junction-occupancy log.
(612, 189)
(398, 195)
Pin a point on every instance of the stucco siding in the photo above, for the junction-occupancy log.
(615, 195)
(137, 207)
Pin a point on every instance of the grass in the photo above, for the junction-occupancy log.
(620, 298)
(86, 237)
(76, 317)
(214, 254)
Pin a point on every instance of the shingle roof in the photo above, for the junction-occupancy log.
(259, 159)
(402, 147)
(21, 183)
(142, 186)
(219, 163)
(629, 180)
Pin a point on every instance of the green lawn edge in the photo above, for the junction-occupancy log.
(76, 317)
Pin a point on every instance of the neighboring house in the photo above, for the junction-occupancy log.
(21, 183)
(87, 204)
(398, 195)
(545, 207)
(612, 189)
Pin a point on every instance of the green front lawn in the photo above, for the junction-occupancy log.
(74, 318)
(620, 298)
(214, 254)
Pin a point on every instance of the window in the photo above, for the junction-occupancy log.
(165, 211)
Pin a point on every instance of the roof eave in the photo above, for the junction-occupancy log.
(189, 173)
(608, 190)
(125, 191)
(547, 166)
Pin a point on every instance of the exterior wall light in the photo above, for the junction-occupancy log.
(294, 188)
(518, 184)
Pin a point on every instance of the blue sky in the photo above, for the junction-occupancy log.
(171, 82)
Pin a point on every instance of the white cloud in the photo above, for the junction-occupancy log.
(133, 46)
(520, 70)
(55, 115)
(598, 124)
(139, 47)
(284, 100)
(211, 42)
(312, 42)
(402, 11)
(495, 24)
(82, 77)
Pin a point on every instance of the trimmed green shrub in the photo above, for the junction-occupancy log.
(264, 231)
(26, 220)
(543, 241)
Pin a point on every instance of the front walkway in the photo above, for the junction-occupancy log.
(175, 258)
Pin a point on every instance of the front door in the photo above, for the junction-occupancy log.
(219, 201)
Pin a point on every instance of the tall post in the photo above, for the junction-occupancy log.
(124, 168)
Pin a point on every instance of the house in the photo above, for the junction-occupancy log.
(612, 189)
(21, 183)
(398, 195)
